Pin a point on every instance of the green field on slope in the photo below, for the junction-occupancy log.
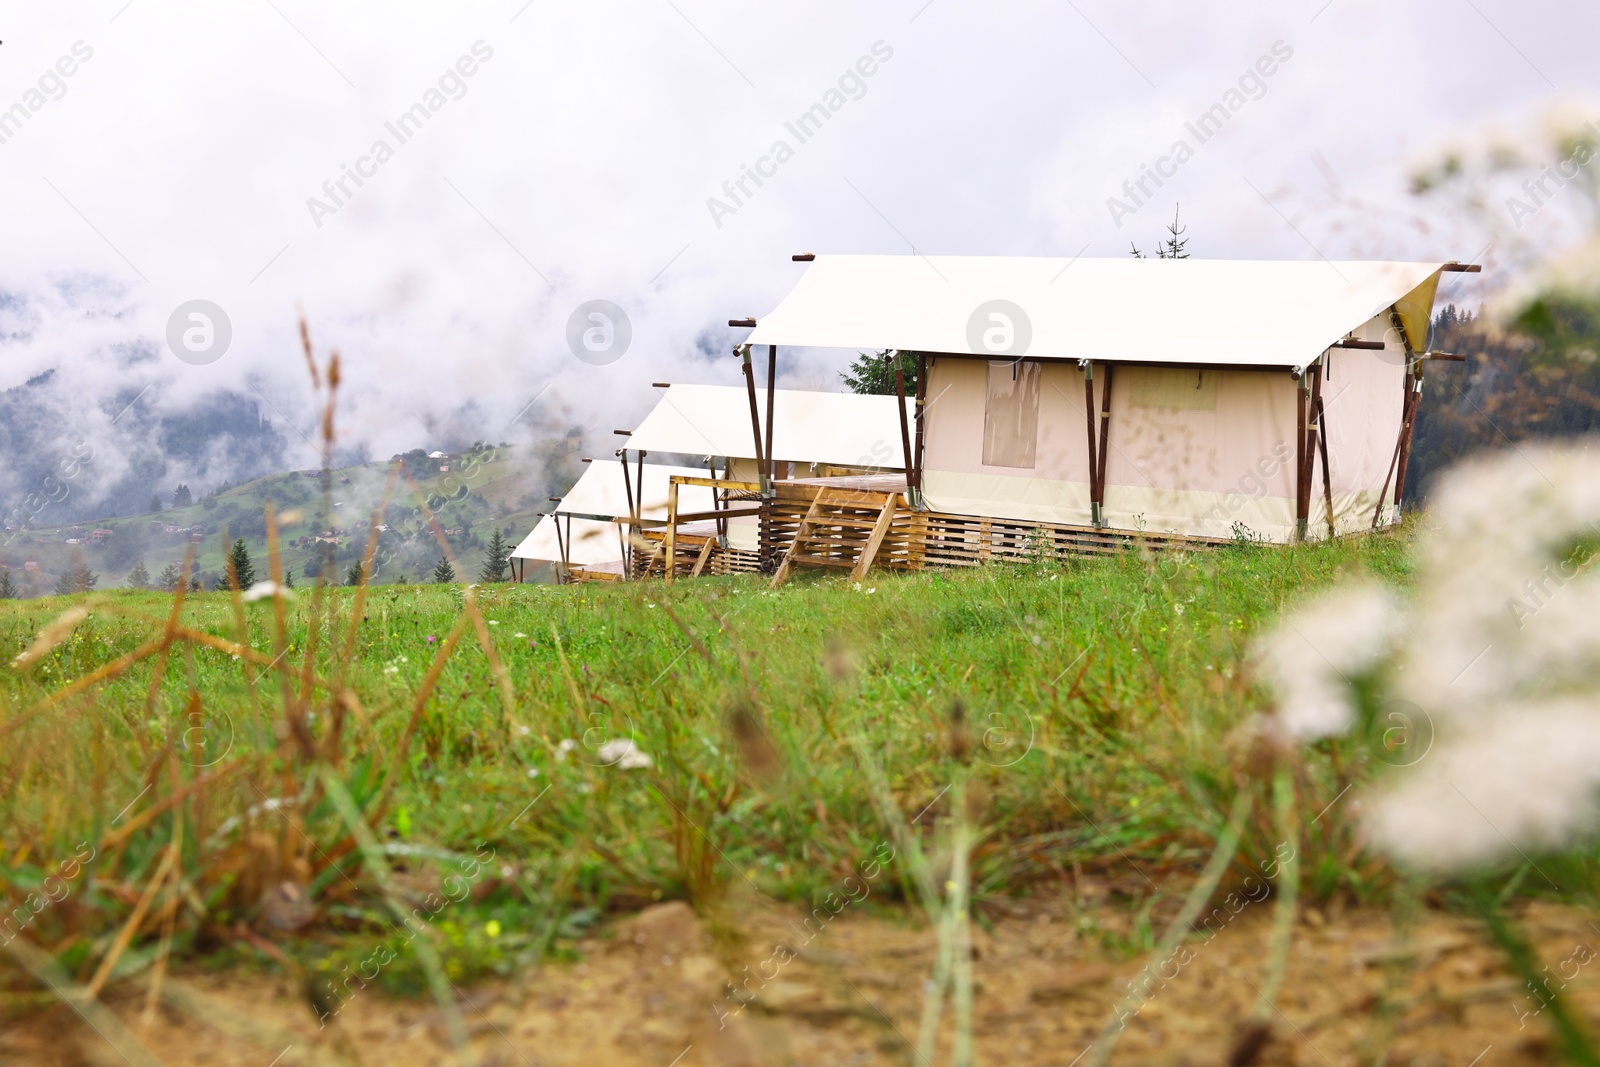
(1106, 701)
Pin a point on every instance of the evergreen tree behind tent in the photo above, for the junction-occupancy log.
(443, 572)
(497, 561)
(8, 588)
(1175, 246)
(353, 575)
(80, 579)
(872, 373)
(167, 580)
(139, 577)
(241, 572)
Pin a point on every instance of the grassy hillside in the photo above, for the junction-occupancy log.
(504, 488)
(1103, 701)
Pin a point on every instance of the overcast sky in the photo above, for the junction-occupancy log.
(579, 158)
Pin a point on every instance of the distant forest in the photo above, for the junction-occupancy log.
(1506, 392)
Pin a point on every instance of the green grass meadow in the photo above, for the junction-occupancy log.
(227, 794)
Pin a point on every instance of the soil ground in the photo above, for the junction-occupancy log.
(652, 991)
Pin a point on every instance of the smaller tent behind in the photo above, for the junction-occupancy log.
(582, 531)
(814, 434)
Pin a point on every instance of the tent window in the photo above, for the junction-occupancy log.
(1011, 414)
(1172, 388)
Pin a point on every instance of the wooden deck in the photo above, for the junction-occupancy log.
(856, 522)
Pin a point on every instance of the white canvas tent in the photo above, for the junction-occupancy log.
(814, 433)
(809, 428)
(582, 522)
(1228, 383)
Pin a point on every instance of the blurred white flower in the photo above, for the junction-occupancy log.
(1313, 655)
(1500, 652)
(1525, 779)
(266, 589)
(567, 745)
(623, 754)
(1504, 603)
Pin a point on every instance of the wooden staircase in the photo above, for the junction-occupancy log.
(691, 553)
(842, 528)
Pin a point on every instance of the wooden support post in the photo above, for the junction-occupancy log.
(1405, 443)
(1394, 459)
(772, 384)
(1094, 463)
(562, 567)
(1327, 474)
(672, 528)
(755, 417)
(1302, 490)
(922, 422)
(905, 429)
(1105, 447)
(633, 511)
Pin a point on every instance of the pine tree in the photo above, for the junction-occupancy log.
(8, 588)
(353, 575)
(182, 498)
(155, 504)
(1174, 247)
(139, 577)
(288, 577)
(80, 579)
(873, 373)
(497, 561)
(167, 580)
(240, 571)
(444, 573)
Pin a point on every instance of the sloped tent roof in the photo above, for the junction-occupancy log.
(714, 420)
(1196, 311)
(601, 491)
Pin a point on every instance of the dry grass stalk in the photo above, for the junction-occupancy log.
(125, 935)
(45, 970)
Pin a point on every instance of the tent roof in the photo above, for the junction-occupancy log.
(1206, 311)
(600, 490)
(808, 427)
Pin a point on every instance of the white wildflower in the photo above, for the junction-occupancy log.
(1499, 653)
(533, 772)
(1526, 778)
(566, 746)
(1311, 658)
(623, 754)
(266, 589)
(1507, 602)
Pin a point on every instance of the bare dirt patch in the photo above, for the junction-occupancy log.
(662, 988)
